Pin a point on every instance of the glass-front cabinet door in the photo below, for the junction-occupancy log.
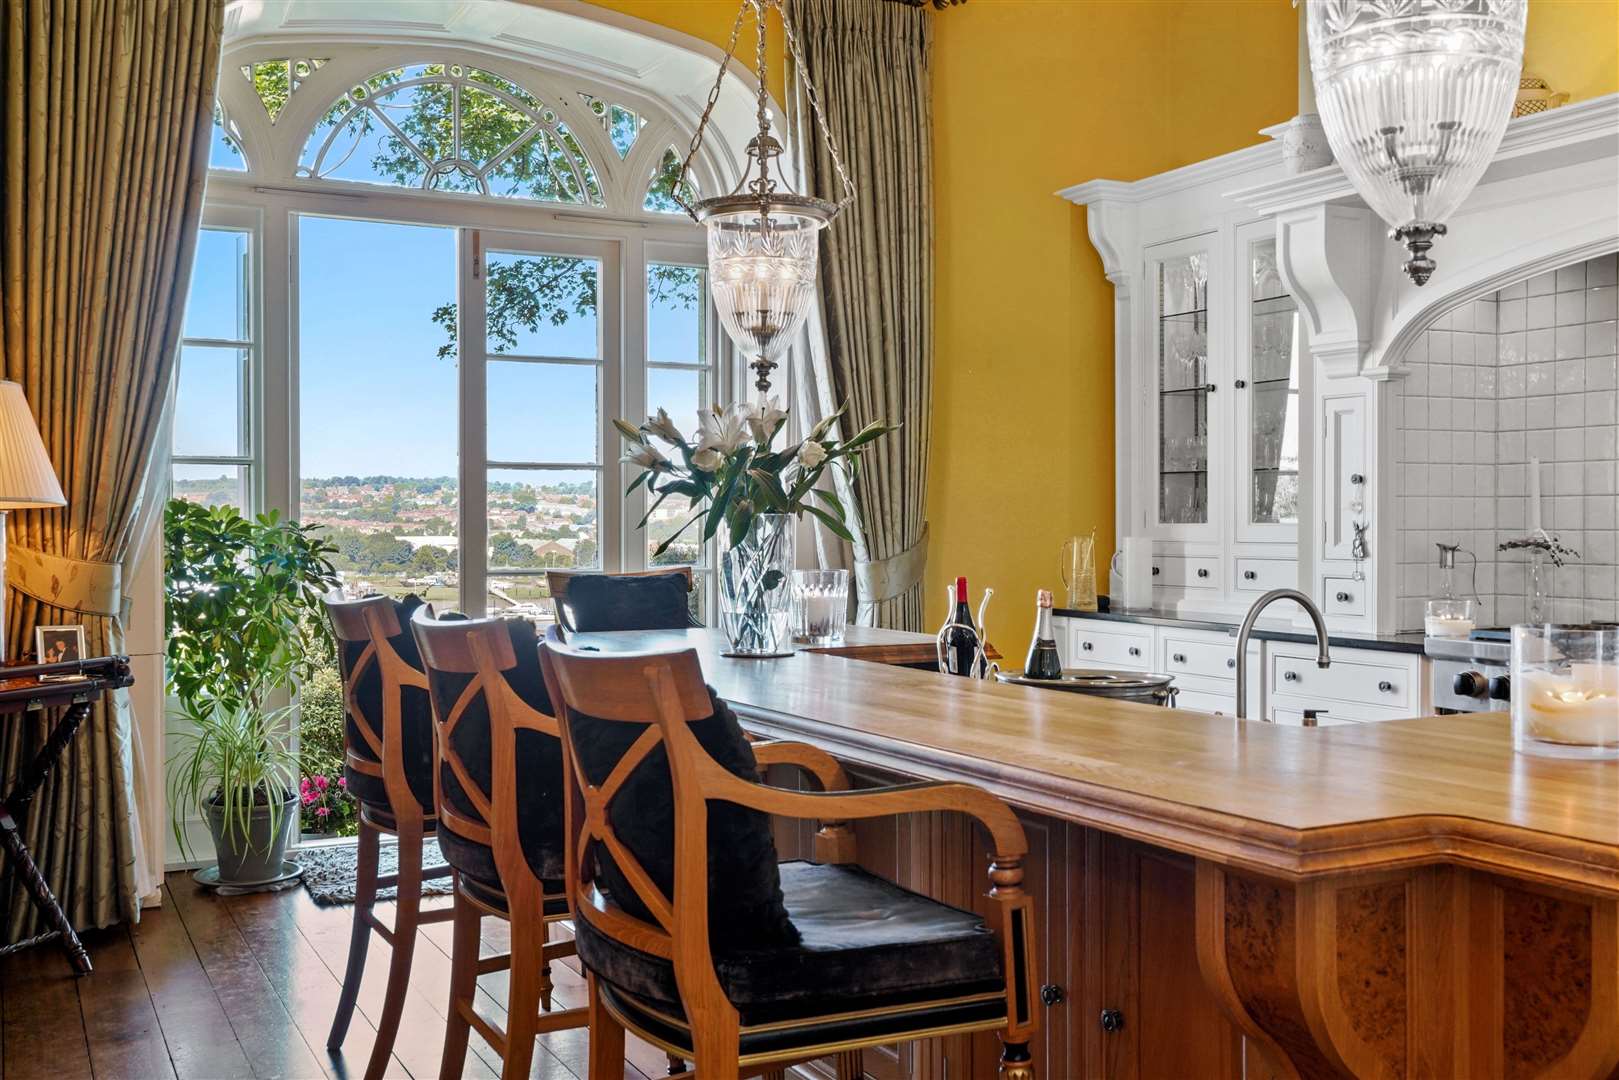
(1269, 344)
(1180, 333)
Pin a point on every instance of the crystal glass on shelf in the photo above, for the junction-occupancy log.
(1183, 406)
(1273, 363)
(1565, 691)
(820, 606)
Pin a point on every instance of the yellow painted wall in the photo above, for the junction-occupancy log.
(1035, 95)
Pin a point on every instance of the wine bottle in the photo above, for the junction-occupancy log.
(1043, 662)
(961, 646)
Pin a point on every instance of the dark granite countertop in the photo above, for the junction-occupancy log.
(1265, 629)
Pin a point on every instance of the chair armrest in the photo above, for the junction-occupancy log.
(812, 759)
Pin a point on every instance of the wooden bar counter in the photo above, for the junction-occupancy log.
(1224, 898)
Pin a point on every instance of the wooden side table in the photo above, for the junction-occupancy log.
(24, 689)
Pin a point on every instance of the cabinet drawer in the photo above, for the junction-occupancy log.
(1205, 701)
(1343, 596)
(1179, 654)
(1263, 575)
(1293, 716)
(1353, 677)
(1114, 647)
(1185, 572)
(1338, 712)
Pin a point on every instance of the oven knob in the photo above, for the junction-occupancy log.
(1501, 688)
(1469, 684)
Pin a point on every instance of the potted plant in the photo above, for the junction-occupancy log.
(733, 474)
(238, 599)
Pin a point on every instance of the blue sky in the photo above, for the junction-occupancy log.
(374, 396)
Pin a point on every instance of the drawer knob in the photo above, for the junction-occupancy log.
(1240, 384)
(1179, 658)
(1112, 1020)
(1344, 598)
(1250, 575)
(1087, 646)
(1231, 662)
(1135, 650)
(1052, 994)
(1156, 571)
(1203, 571)
(1386, 687)
(1290, 676)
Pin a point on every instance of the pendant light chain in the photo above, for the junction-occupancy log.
(708, 111)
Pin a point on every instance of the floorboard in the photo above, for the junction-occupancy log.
(44, 1028)
(202, 1041)
(120, 1022)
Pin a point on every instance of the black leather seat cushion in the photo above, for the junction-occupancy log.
(602, 602)
(539, 767)
(864, 943)
(744, 891)
(476, 864)
(415, 719)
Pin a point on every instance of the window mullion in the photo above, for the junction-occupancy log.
(474, 437)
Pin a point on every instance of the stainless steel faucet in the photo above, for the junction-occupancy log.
(1323, 657)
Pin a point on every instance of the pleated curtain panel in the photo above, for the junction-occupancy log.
(107, 111)
(872, 346)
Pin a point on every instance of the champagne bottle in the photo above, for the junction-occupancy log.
(1043, 662)
(961, 646)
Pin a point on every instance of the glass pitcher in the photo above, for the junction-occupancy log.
(1079, 572)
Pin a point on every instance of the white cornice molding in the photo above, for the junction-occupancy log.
(1249, 159)
(1567, 135)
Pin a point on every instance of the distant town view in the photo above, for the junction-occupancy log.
(398, 535)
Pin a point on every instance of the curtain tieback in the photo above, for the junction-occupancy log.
(78, 585)
(884, 579)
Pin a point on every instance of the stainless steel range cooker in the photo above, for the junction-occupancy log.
(1471, 674)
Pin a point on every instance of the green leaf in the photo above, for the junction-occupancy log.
(838, 528)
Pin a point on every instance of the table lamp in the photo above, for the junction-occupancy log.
(27, 479)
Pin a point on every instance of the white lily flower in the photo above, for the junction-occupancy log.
(648, 457)
(763, 418)
(707, 460)
(811, 454)
(664, 428)
(723, 431)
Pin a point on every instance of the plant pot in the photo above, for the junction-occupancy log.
(756, 589)
(258, 856)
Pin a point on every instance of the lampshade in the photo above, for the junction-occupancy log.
(26, 476)
(1415, 96)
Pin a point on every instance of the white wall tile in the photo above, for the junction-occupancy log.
(1601, 270)
(1600, 304)
(1542, 312)
(1542, 284)
(1570, 277)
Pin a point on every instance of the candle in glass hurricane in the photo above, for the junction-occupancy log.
(1565, 690)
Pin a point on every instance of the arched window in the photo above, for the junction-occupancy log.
(446, 127)
(451, 267)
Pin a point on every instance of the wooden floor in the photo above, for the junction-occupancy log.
(219, 988)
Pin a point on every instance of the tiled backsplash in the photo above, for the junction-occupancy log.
(1530, 372)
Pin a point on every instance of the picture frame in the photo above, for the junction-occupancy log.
(59, 644)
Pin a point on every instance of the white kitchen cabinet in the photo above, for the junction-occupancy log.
(1361, 685)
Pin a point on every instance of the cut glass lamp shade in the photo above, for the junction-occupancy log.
(762, 270)
(27, 478)
(1415, 96)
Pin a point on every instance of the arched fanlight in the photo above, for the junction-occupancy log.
(763, 238)
(1415, 96)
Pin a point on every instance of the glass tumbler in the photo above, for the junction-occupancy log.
(1565, 690)
(820, 606)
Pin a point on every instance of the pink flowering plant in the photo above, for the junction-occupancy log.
(325, 803)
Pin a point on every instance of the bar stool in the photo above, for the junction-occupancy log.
(498, 788)
(636, 600)
(692, 936)
(388, 769)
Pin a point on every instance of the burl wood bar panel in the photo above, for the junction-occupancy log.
(1221, 898)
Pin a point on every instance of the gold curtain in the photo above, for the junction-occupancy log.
(108, 111)
(869, 62)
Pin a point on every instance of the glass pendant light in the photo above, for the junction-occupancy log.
(1415, 96)
(763, 238)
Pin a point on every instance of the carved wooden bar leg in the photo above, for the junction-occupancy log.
(1430, 972)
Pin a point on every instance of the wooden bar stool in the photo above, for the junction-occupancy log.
(388, 769)
(693, 937)
(498, 789)
(635, 600)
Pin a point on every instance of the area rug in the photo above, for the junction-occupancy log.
(330, 871)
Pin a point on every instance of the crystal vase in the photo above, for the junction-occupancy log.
(755, 589)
